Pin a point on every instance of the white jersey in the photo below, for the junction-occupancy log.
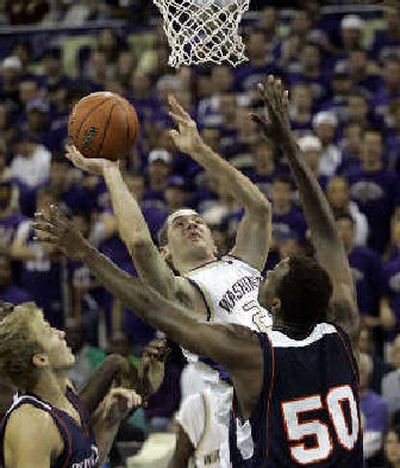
(199, 418)
(229, 288)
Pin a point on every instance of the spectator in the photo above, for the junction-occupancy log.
(392, 447)
(352, 147)
(340, 88)
(309, 70)
(391, 87)
(11, 72)
(374, 415)
(254, 71)
(391, 382)
(159, 169)
(87, 358)
(10, 218)
(9, 292)
(31, 164)
(325, 127)
(375, 190)
(352, 30)
(300, 111)
(390, 303)
(338, 194)
(366, 268)
(285, 217)
(265, 170)
(387, 40)
(380, 367)
(41, 274)
(311, 148)
(176, 194)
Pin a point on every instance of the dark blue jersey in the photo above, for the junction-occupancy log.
(308, 412)
(80, 450)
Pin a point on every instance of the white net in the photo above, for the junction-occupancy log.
(201, 31)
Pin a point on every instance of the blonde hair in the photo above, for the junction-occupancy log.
(18, 346)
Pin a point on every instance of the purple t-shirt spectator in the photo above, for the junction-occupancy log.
(366, 268)
(15, 295)
(391, 285)
(375, 193)
(292, 222)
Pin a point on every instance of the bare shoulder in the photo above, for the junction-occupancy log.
(30, 423)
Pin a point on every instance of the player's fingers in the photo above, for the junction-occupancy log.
(177, 108)
(46, 239)
(42, 216)
(44, 227)
(179, 119)
(285, 101)
(278, 92)
(260, 121)
(174, 134)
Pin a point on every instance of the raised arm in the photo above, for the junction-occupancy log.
(256, 223)
(132, 228)
(324, 236)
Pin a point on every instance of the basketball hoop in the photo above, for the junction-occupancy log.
(200, 31)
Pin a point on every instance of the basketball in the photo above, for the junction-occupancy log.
(103, 125)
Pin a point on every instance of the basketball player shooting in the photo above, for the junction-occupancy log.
(215, 289)
(296, 386)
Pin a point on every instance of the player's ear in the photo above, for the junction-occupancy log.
(40, 360)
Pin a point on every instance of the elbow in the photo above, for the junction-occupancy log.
(262, 208)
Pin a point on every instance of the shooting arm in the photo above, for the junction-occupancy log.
(134, 232)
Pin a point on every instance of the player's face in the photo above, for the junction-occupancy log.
(268, 289)
(189, 234)
(392, 448)
(58, 354)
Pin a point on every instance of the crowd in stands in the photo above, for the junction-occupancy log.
(344, 109)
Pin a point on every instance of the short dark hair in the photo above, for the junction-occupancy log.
(305, 292)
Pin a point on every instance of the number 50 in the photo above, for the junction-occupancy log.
(297, 430)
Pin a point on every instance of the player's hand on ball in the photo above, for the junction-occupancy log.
(118, 404)
(276, 99)
(95, 166)
(187, 138)
(57, 230)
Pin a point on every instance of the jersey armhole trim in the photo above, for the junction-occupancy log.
(68, 449)
(204, 296)
(348, 352)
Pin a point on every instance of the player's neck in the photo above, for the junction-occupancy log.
(51, 387)
(186, 265)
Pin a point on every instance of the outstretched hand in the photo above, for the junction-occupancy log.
(276, 100)
(118, 404)
(56, 229)
(152, 364)
(187, 138)
(94, 166)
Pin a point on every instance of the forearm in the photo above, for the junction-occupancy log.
(100, 382)
(131, 223)
(240, 187)
(104, 436)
